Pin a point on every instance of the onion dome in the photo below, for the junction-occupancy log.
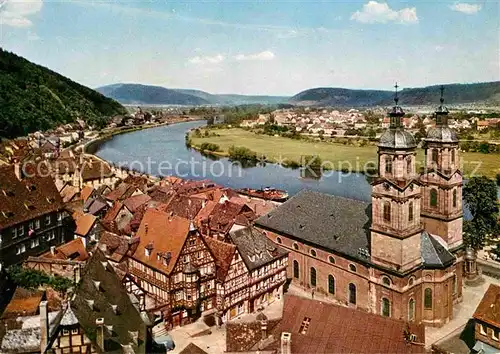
(442, 132)
(396, 137)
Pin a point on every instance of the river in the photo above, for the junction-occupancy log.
(162, 151)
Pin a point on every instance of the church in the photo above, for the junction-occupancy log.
(401, 255)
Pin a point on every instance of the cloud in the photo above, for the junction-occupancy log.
(265, 55)
(469, 9)
(15, 13)
(380, 12)
(216, 59)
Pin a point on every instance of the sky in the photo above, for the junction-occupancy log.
(272, 47)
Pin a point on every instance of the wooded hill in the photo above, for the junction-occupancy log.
(33, 98)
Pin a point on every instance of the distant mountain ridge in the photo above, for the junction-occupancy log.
(157, 95)
(33, 98)
(487, 92)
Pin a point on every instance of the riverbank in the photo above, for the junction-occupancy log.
(340, 157)
(91, 147)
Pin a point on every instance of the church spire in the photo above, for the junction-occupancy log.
(442, 111)
(397, 112)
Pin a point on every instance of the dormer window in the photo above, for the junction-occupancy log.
(31, 187)
(8, 193)
(7, 214)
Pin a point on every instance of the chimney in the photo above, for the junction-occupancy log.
(53, 250)
(99, 322)
(18, 170)
(78, 274)
(286, 343)
(44, 326)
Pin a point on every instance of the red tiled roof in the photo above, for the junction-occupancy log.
(86, 192)
(223, 253)
(205, 212)
(133, 203)
(73, 250)
(25, 199)
(123, 191)
(226, 214)
(165, 233)
(96, 169)
(488, 309)
(115, 246)
(184, 206)
(23, 303)
(337, 329)
(68, 193)
(84, 223)
(259, 207)
(113, 212)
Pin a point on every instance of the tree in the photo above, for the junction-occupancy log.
(480, 195)
(498, 179)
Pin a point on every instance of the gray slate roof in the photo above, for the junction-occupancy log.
(434, 254)
(397, 139)
(332, 222)
(255, 248)
(442, 134)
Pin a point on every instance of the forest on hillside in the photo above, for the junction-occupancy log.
(33, 98)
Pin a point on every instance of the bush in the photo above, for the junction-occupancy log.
(32, 279)
(312, 161)
(498, 179)
(209, 147)
(242, 153)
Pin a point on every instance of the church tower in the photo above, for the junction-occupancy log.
(442, 182)
(396, 226)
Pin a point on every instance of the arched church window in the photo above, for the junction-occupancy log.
(408, 165)
(386, 281)
(331, 284)
(352, 268)
(278, 239)
(452, 155)
(428, 298)
(386, 307)
(434, 155)
(296, 269)
(312, 279)
(454, 198)
(411, 281)
(411, 310)
(433, 198)
(313, 253)
(387, 211)
(352, 293)
(410, 211)
(295, 246)
(388, 164)
(331, 259)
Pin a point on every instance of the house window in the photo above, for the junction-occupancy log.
(331, 284)
(35, 242)
(387, 211)
(455, 285)
(386, 307)
(74, 331)
(47, 220)
(59, 216)
(65, 332)
(331, 260)
(434, 155)
(408, 166)
(312, 279)
(410, 212)
(14, 232)
(296, 270)
(386, 281)
(352, 293)
(295, 246)
(482, 330)
(428, 298)
(278, 239)
(352, 268)
(20, 230)
(453, 156)
(494, 334)
(37, 224)
(454, 198)
(433, 198)
(411, 310)
(388, 164)
(313, 253)
(21, 248)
